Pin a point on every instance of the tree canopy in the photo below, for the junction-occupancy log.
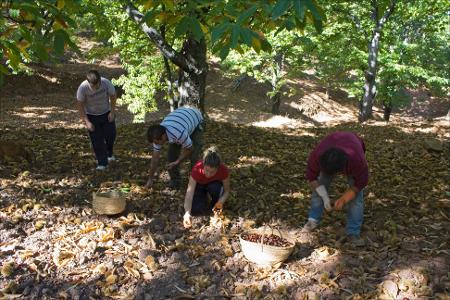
(374, 50)
(33, 30)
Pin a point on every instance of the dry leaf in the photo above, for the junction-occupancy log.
(8, 268)
(130, 267)
(199, 281)
(111, 279)
(24, 254)
(100, 269)
(228, 252)
(151, 263)
(39, 224)
(62, 257)
(107, 236)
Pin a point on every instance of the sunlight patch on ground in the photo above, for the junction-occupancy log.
(295, 105)
(323, 117)
(439, 127)
(47, 109)
(40, 112)
(50, 78)
(277, 122)
(247, 161)
(31, 115)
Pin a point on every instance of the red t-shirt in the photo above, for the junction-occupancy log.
(198, 173)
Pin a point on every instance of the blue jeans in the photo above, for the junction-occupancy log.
(103, 137)
(354, 208)
(200, 205)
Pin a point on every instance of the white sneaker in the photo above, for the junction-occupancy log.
(112, 158)
(310, 225)
(100, 168)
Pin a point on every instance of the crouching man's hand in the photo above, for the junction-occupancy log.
(172, 165)
(187, 220)
(322, 192)
(348, 196)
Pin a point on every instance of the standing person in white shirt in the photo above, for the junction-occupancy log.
(96, 100)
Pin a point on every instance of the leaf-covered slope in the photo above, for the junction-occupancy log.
(53, 245)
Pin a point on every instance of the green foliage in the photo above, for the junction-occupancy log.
(33, 30)
(230, 25)
(275, 66)
(224, 25)
(416, 53)
(413, 49)
(141, 84)
(144, 67)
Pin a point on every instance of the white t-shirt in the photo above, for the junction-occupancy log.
(96, 102)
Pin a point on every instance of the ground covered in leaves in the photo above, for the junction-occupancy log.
(52, 244)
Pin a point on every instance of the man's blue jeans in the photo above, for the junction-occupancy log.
(354, 208)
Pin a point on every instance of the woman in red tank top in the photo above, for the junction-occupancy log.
(208, 177)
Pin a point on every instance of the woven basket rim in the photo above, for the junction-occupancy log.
(258, 230)
(108, 194)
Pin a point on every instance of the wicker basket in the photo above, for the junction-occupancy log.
(266, 255)
(108, 203)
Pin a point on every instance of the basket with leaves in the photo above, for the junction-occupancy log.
(108, 203)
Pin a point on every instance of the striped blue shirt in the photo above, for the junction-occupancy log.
(180, 124)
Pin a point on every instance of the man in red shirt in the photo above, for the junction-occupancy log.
(340, 152)
(208, 176)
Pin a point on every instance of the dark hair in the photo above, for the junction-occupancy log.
(93, 76)
(211, 157)
(333, 161)
(155, 132)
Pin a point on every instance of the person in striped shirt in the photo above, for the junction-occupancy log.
(182, 129)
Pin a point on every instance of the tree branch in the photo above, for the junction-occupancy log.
(387, 14)
(166, 50)
(19, 21)
(374, 5)
(354, 19)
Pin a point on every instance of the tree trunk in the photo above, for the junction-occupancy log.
(370, 88)
(173, 100)
(277, 70)
(387, 111)
(2, 109)
(191, 61)
(191, 84)
(276, 102)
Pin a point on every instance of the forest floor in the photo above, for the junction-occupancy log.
(54, 246)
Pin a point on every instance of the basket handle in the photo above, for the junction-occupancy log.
(262, 237)
(264, 233)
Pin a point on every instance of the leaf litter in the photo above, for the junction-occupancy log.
(53, 245)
